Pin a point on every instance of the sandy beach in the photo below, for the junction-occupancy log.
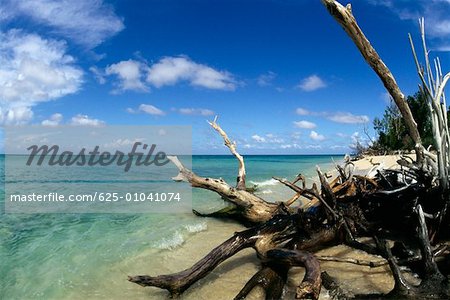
(387, 161)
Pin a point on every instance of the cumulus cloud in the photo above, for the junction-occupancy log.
(54, 120)
(148, 109)
(348, 118)
(129, 73)
(304, 124)
(86, 22)
(171, 70)
(137, 76)
(196, 111)
(84, 120)
(311, 83)
(315, 136)
(33, 70)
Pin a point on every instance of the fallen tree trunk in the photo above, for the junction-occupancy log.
(250, 207)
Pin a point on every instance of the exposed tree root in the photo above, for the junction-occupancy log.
(271, 278)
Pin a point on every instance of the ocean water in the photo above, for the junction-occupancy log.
(88, 256)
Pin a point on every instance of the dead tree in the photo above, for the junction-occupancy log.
(411, 202)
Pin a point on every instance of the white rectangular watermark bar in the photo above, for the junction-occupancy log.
(103, 169)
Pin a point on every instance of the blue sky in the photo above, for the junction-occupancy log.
(282, 75)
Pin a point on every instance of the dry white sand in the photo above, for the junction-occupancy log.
(387, 161)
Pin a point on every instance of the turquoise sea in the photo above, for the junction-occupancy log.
(88, 256)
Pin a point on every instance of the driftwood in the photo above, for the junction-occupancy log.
(407, 207)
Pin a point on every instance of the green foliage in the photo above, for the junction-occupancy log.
(392, 131)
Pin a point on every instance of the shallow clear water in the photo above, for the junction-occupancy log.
(79, 256)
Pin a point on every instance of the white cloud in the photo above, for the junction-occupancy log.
(312, 83)
(305, 124)
(302, 112)
(315, 136)
(171, 70)
(196, 111)
(290, 146)
(258, 138)
(151, 110)
(266, 78)
(273, 139)
(148, 109)
(86, 22)
(167, 71)
(33, 70)
(84, 120)
(129, 73)
(348, 118)
(15, 115)
(268, 138)
(54, 120)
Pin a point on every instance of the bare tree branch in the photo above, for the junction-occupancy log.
(240, 180)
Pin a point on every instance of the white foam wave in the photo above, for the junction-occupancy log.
(178, 239)
(171, 242)
(265, 182)
(192, 228)
(267, 192)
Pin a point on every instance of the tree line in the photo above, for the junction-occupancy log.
(391, 130)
